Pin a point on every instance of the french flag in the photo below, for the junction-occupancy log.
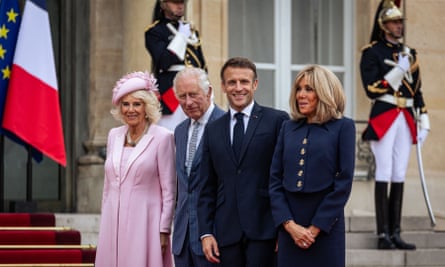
(32, 109)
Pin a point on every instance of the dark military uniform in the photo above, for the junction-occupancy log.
(387, 102)
(388, 105)
(391, 128)
(157, 38)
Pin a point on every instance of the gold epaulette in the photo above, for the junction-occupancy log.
(152, 25)
(368, 45)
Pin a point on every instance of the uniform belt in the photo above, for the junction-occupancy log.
(401, 102)
(176, 67)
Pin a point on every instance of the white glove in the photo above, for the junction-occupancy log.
(178, 45)
(424, 121)
(403, 62)
(424, 125)
(183, 36)
(400, 70)
(394, 77)
(421, 136)
(184, 28)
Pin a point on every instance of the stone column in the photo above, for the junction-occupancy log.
(90, 180)
(105, 68)
(137, 16)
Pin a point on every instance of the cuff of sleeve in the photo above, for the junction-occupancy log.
(204, 236)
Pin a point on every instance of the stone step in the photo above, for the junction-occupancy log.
(361, 243)
(399, 258)
(409, 223)
(87, 224)
(422, 239)
(360, 240)
(360, 230)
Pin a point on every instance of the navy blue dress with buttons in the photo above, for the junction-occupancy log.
(310, 182)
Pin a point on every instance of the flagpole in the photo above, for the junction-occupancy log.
(29, 175)
(2, 173)
(28, 205)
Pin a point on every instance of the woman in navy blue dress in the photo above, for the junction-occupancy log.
(312, 171)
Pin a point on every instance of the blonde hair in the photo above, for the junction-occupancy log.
(152, 106)
(329, 90)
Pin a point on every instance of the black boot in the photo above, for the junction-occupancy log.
(382, 216)
(395, 215)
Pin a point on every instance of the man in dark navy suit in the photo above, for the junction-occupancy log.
(234, 214)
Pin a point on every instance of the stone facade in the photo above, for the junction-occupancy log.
(117, 47)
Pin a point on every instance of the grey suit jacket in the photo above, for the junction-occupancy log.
(186, 217)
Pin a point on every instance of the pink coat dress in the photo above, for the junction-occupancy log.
(137, 205)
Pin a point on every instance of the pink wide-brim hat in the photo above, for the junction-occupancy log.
(133, 82)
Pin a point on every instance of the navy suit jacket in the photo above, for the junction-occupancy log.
(186, 217)
(315, 161)
(235, 199)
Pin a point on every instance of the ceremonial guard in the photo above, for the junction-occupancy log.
(391, 78)
(173, 44)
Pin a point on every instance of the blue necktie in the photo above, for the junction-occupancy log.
(238, 134)
(192, 147)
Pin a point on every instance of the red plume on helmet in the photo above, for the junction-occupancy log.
(377, 31)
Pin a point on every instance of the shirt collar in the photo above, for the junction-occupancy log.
(205, 118)
(246, 111)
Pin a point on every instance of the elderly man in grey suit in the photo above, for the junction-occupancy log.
(193, 90)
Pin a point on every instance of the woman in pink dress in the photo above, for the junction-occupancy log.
(140, 182)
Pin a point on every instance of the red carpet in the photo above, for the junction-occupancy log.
(27, 219)
(39, 237)
(28, 238)
(45, 256)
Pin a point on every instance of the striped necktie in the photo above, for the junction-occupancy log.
(192, 146)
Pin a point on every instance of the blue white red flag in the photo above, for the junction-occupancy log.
(9, 28)
(32, 109)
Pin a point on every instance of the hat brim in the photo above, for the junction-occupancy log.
(129, 86)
